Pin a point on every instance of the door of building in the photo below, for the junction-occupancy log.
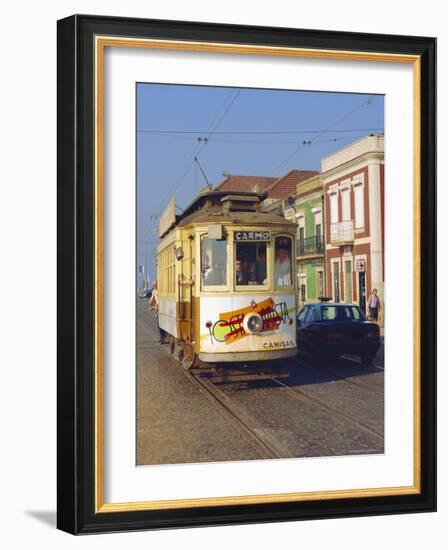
(348, 282)
(336, 296)
(362, 290)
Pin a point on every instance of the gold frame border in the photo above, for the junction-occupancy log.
(101, 42)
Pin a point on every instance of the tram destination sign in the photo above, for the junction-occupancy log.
(257, 236)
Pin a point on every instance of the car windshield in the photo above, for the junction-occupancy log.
(301, 316)
(341, 313)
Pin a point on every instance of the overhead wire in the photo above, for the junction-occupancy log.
(203, 144)
(308, 143)
(267, 141)
(254, 132)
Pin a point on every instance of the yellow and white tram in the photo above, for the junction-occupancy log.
(226, 282)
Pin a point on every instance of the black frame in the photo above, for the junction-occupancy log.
(75, 403)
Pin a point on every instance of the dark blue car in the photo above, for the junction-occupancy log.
(327, 330)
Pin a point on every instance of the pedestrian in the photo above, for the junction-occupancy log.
(374, 305)
(154, 306)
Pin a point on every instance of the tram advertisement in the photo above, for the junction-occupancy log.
(223, 323)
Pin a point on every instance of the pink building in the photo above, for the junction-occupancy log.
(353, 180)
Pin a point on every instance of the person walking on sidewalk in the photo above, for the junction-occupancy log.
(154, 306)
(374, 305)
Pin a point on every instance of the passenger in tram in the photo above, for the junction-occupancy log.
(283, 263)
(240, 273)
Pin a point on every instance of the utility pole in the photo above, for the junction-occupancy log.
(145, 282)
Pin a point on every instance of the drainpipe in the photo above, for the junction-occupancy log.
(290, 202)
(324, 233)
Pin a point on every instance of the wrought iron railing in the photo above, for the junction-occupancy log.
(310, 245)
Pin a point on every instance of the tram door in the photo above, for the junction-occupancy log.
(362, 290)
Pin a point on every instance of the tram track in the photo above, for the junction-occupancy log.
(318, 403)
(270, 446)
(345, 379)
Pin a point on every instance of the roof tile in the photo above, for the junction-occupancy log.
(286, 185)
(245, 183)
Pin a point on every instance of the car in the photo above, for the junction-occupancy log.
(148, 293)
(327, 330)
(144, 293)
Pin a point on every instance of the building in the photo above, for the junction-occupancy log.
(353, 182)
(299, 197)
(276, 189)
(307, 207)
(245, 183)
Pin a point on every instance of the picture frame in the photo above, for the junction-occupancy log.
(82, 41)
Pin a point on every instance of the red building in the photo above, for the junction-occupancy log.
(353, 180)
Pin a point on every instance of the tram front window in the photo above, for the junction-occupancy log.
(250, 264)
(213, 262)
(283, 266)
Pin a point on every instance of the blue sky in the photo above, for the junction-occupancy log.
(249, 131)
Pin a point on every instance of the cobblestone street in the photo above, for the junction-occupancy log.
(320, 410)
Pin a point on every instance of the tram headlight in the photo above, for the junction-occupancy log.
(253, 323)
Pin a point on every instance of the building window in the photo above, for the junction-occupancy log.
(318, 229)
(318, 233)
(359, 206)
(346, 214)
(348, 283)
(334, 210)
(301, 240)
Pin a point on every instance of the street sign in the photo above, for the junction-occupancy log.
(360, 265)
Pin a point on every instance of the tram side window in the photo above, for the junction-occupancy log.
(250, 264)
(213, 262)
(283, 264)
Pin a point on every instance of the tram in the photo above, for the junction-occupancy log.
(226, 285)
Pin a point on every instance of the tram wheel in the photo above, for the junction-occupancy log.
(188, 355)
(172, 345)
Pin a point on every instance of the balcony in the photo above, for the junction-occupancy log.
(310, 245)
(342, 232)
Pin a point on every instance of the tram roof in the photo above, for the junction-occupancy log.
(216, 215)
(207, 207)
(214, 196)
